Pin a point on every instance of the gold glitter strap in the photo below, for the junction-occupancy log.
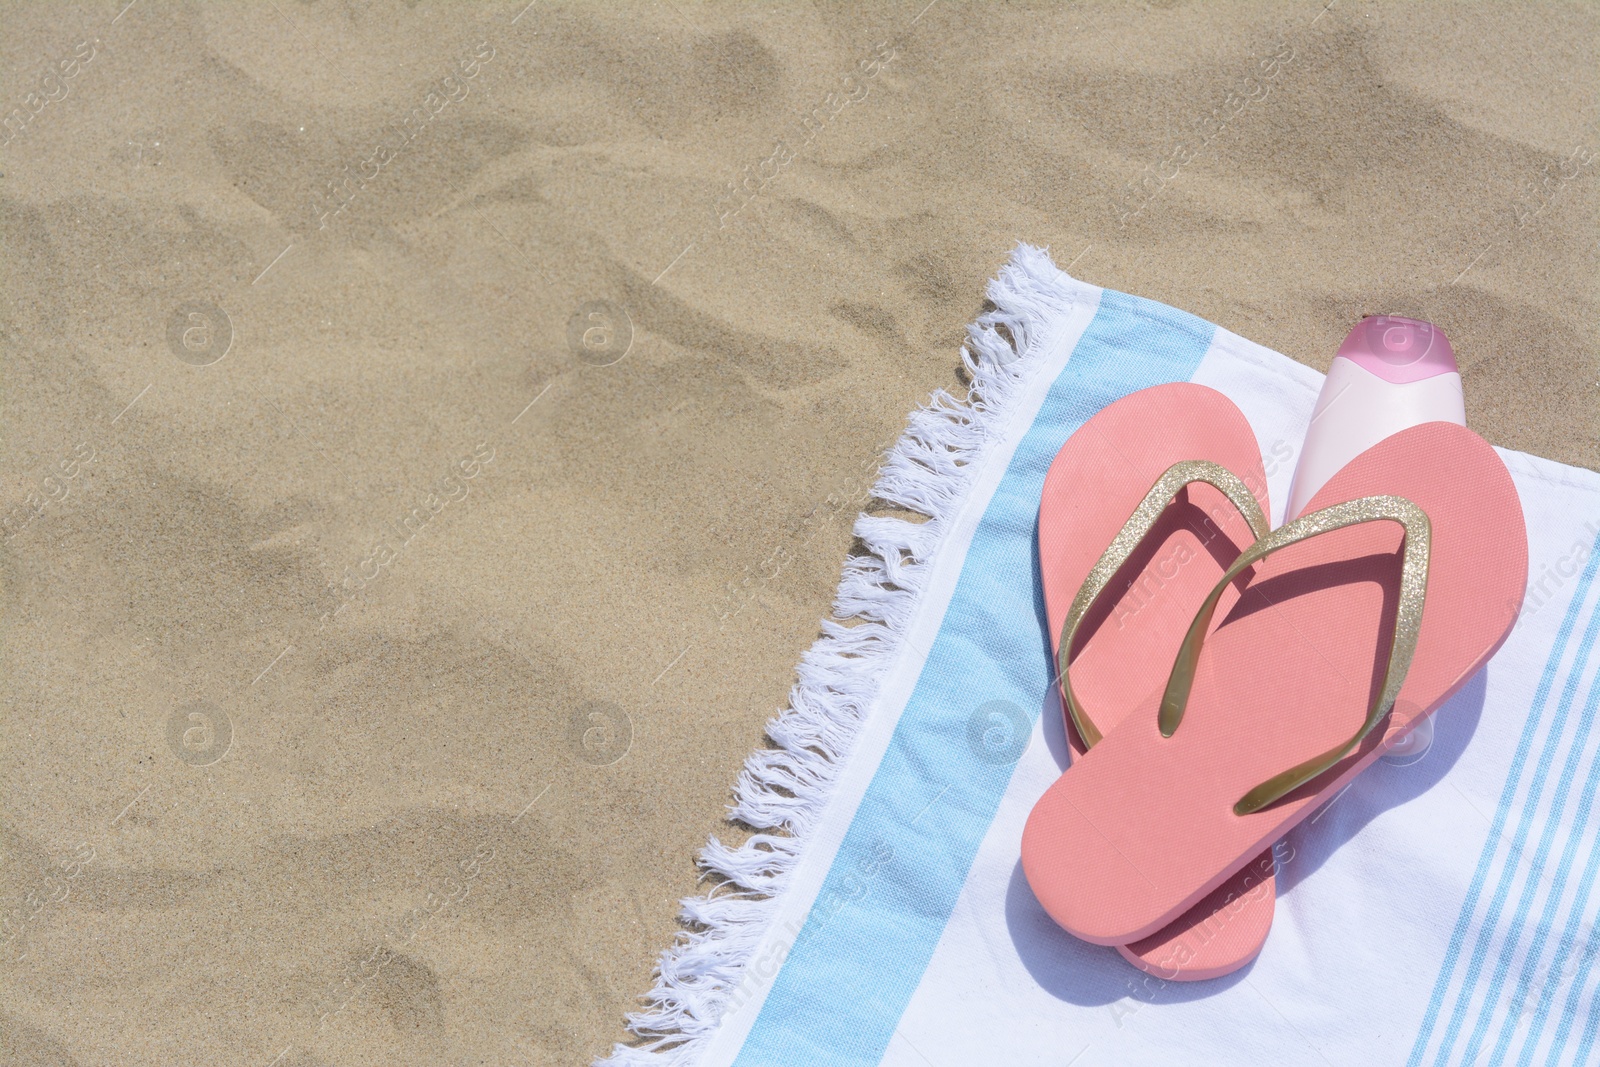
(1122, 547)
(1408, 621)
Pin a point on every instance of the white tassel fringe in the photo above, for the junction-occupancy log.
(785, 789)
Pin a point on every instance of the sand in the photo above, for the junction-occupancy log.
(383, 633)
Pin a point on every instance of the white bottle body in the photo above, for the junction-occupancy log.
(1355, 410)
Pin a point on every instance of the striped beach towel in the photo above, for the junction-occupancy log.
(1441, 910)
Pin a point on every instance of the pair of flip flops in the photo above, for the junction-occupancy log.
(1222, 680)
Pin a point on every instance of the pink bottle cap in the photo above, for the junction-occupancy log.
(1399, 350)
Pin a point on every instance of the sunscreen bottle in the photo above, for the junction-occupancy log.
(1390, 374)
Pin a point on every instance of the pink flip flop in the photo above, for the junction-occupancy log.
(1378, 603)
(1130, 634)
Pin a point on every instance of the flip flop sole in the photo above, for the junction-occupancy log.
(1217, 936)
(1096, 480)
(1144, 826)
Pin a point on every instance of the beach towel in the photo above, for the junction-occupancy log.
(1440, 910)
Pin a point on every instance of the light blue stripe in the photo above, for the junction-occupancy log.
(1502, 813)
(1569, 1012)
(854, 965)
(1586, 1042)
(1558, 884)
(1552, 819)
(1575, 914)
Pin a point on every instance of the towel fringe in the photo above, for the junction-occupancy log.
(782, 791)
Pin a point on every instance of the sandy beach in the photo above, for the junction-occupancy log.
(432, 432)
